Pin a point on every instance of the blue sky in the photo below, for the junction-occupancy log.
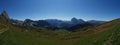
(62, 9)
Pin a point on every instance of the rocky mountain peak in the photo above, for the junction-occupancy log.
(77, 21)
(5, 15)
(74, 20)
(28, 20)
(4, 18)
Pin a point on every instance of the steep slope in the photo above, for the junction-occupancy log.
(80, 27)
(3, 28)
(106, 37)
(104, 34)
(108, 25)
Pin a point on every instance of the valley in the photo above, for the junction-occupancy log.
(107, 33)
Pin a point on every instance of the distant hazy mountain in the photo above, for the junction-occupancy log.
(16, 22)
(76, 21)
(39, 23)
(80, 26)
(85, 24)
(55, 22)
(31, 23)
(64, 24)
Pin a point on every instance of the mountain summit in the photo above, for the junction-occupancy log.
(5, 15)
(76, 21)
(4, 18)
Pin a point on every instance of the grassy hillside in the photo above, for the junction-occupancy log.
(105, 34)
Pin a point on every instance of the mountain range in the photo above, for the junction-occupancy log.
(55, 23)
(30, 32)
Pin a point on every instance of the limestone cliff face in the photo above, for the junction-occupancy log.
(5, 15)
(4, 18)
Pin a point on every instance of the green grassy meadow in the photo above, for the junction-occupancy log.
(15, 37)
